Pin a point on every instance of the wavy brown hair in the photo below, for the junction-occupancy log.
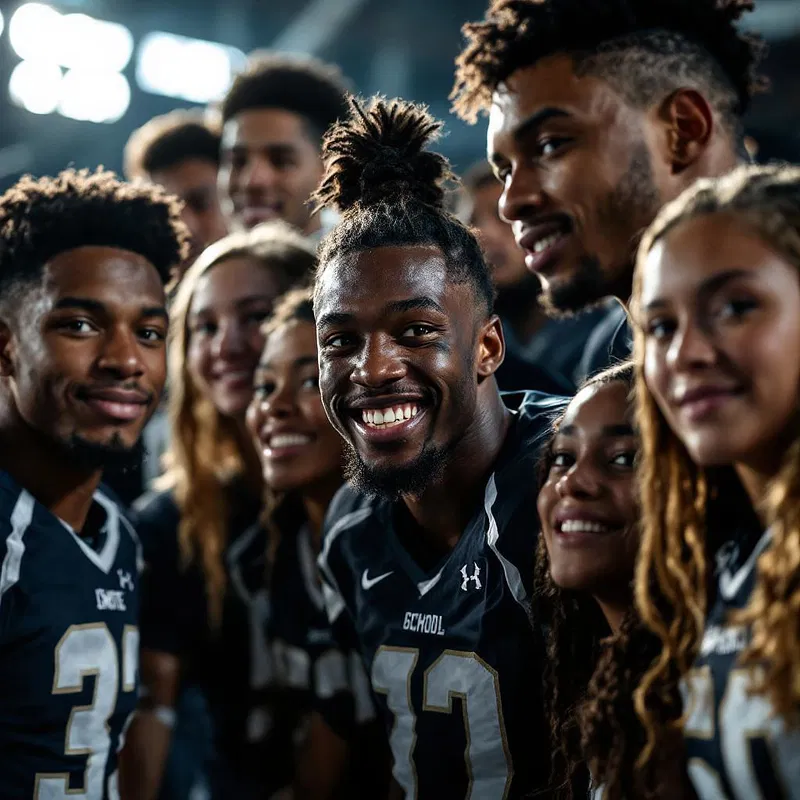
(682, 504)
(591, 673)
(205, 452)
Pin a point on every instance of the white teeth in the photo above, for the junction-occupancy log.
(388, 417)
(288, 440)
(548, 241)
(583, 526)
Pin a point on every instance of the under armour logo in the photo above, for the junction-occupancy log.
(475, 577)
(125, 580)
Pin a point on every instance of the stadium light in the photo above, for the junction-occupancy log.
(36, 86)
(94, 96)
(188, 69)
(76, 41)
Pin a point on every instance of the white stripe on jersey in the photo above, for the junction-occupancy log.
(21, 518)
(513, 578)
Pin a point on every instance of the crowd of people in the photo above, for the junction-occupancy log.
(324, 475)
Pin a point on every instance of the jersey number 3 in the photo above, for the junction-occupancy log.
(453, 674)
(86, 650)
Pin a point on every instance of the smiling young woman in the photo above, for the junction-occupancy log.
(717, 340)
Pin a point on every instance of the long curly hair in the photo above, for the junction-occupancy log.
(206, 449)
(685, 507)
(590, 675)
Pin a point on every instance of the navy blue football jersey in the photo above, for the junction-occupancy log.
(69, 648)
(737, 748)
(452, 656)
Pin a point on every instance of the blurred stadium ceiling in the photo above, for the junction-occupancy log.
(405, 48)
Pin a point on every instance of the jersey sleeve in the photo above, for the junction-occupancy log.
(167, 620)
(340, 685)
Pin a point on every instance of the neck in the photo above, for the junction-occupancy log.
(518, 308)
(755, 478)
(614, 609)
(441, 510)
(316, 500)
(66, 491)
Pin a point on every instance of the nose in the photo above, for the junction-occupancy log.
(581, 480)
(378, 364)
(229, 341)
(691, 348)
(121, 354)
(258, 175)
(523, 195)
(278, 404)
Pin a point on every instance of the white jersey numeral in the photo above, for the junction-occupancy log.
(743, 718)
(84, 651)
(453, 674)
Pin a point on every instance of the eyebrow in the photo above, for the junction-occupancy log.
(421, 303)
(609, 431)
(96, 307)
(708, 286)
(303, 361)
(535, 121)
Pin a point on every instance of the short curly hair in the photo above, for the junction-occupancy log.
(306, 86)
(167, 140)
(644, 48)
(40, 218)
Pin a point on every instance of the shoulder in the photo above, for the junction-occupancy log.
(535, 414)
(608, 343)
(156, 517)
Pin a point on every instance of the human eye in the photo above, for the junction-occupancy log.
(263, 386)
(561, 459)
(338, 341)
(625, 459)
(311, 382)
(735, 309)
(77, 326)
(550, 145)
(152, 335)
(659, 328)
(418, 330)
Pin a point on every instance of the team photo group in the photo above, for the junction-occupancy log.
(449, 488)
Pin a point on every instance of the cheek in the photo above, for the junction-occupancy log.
(198, 359)
(544, 505)
(656, 374)
(256, 343)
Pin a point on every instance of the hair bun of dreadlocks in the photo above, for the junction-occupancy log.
(378, 155)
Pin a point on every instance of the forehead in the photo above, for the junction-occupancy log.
(118, 277)
(232, 282)
(549, 83)
(697, 249)
(597, 407)
(363, 283)
(186, 175)
(294, 339)
(259, 127)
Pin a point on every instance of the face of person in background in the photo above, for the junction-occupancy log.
(587, 505)
(299, 448)
(230, 303)
(195, 182)
(270, 166)
(479, 210)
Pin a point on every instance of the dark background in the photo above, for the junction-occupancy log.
(405, 48)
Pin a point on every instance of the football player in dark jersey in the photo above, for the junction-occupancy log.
(598, 648)
(600, 111)
(83, 263)
(717, 312)
(428, 555)
(302, 458)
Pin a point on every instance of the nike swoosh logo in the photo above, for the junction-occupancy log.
(729, 584)
(367, 583)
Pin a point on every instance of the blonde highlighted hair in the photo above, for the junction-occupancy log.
(205, 452)
(681, 500)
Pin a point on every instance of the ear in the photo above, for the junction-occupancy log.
(7, 349)
(689, 123)
(491, 347)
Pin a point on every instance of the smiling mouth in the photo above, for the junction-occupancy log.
(584, 526)
(391, 416)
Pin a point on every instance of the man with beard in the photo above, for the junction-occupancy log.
(555, 345)
(601, 111)
(427, 560)
(83, 323)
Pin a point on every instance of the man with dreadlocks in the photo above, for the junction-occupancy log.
(83, 263)
(428, 556)
(600, 111)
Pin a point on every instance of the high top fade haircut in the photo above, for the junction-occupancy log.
(645, 49)
(303, 85)
(40, 218)
(170, 139)
(390, 191)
